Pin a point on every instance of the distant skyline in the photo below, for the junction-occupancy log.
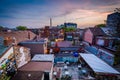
(36, 13)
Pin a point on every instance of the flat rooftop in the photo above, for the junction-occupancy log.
(64, 44)
(33, 42)
(64, 55)
(28, 75)
(37, 66)
(43, 57)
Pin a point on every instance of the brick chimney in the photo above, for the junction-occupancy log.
(7, 41)
(28, 35)
(14, 42)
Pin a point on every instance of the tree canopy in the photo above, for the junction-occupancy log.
(117, 10)
(1, 28)
(21, 28)
(68, 29)
(100, 25)
(117, 53)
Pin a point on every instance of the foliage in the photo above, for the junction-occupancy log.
(1, 28)
(117, 54)
(68, 29)
(117, 10)
(100, 25)
(4, 66)
(21, 28)
(4, 77)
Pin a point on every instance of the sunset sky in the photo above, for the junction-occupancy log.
(36, 13)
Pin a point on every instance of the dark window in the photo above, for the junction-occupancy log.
(46, 75)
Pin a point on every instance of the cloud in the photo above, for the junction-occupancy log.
(38, 12)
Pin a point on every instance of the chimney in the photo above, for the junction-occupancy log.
(28, 35)
(7, 41)
(14, 41)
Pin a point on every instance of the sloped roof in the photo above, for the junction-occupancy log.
(98, 65)
(97, 31)
(109, 31)
(19, 35)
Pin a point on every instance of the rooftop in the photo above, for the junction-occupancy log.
(28, 75)
(19, 35)
(64, 55)
(32, 42)
(43, 57)
(98, 65)
(92, 49)
(37, 66)
(109, 31)
(97, 31)
(64, 44)
(69, 48)
(35, 41)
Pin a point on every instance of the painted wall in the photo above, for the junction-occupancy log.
(106, 56)
(88, 36)
(23, 56)
(102, 54)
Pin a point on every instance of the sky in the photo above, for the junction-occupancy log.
(37, 13)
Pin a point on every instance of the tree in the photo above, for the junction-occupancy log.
(1, 28)
(100, 25)
(117, 10)
(68, 29)
(21, 28)
(117, 53)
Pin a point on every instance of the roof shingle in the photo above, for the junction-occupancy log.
(19, 35)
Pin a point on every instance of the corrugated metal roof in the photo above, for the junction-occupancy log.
(98, 65)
